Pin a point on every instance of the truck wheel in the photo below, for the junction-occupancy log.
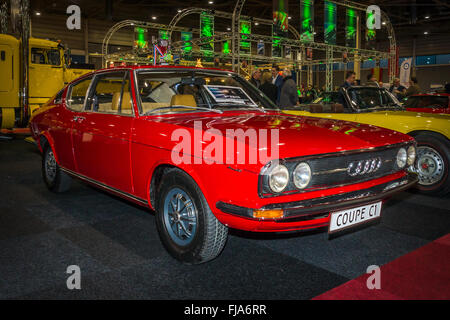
(432, 164)
(55, 179)
(188, 229)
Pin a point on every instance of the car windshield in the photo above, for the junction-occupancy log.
(169, 91)
(369, 98)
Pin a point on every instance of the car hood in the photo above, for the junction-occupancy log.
(298, 136)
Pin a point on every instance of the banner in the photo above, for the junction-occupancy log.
(370, 33)
(307, 20)
(280, 26)
(207, 31)
(186, 37)
(245, 28)
(405, 72)
(350, 28)
(140, 38)
(260, 48)
(330, 22)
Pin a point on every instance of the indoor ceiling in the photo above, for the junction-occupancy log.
(411, 18)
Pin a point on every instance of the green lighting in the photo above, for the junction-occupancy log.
(226, 49)
(164, 34)
(140, 40)
(330, 22)
(207, 31)
(350, 28)
(245, 28)
(186, 37)
(307, 20)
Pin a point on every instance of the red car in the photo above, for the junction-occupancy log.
(429, 103)
(182, 141)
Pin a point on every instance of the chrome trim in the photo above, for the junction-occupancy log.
(104, 186)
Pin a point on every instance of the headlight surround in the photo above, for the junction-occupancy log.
(411, 156)
(402, 158)
(302, 175)
(278, 178)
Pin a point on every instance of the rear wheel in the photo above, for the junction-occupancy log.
(432, 164)
(188, 229)
(55, 179)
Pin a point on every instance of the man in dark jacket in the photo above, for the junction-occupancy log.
(413, 87)
(397, 89)
(278, 81)
(350, 77)
(289, 95)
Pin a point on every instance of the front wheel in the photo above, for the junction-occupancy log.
(187, 228)
(432, 164)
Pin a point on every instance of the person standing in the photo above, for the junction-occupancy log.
(277, 80)
(372, 81)
(413, 87)
(350, 77)
(397, 89)
(268, 88)
(289, 95)
(256, 78)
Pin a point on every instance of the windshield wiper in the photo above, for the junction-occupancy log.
(242, 107)
(182, 107)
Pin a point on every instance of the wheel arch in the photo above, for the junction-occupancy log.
(45, 139)
(437, 135)
(156, 177)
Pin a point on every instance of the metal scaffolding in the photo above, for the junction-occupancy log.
(294, 42)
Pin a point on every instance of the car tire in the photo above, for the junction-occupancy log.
(186, 225)
(432, 164)
(55, 179)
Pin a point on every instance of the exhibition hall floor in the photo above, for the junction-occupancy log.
(117, 248)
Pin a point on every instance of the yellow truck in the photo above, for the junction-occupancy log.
(47, 73)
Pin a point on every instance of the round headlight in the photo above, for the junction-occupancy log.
(411, 155)
(302, 175)
(278, 178)
(402, 157)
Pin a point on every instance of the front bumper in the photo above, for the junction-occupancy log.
(314, 213)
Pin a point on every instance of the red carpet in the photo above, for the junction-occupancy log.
(423, 274)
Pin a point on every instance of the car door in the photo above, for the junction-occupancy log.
(63, 120)
(101, 133)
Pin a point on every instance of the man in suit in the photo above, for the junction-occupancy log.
(278, 81)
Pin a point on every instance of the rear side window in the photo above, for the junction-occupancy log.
(77, 95)
(110, 93)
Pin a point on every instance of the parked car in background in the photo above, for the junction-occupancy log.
(120, 129)
(377, 106)
(430, 103)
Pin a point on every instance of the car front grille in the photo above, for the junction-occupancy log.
(340, 169)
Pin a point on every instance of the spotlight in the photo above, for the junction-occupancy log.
(427, 17)
(154, 18)
(211, 2)
(426, 32)
(37, 13)
(256, 23)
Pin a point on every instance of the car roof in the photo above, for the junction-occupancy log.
(147, 67)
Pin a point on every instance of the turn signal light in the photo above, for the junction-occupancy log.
(268, 214)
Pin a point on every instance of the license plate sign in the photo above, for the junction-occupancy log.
(351, 217)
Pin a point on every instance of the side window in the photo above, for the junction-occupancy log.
(37, 56)
(111, 94)
(75, 100)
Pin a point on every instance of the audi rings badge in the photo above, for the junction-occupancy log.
(364, 167)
